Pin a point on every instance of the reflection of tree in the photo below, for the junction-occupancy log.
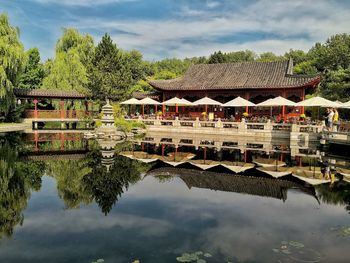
(17, 179)
(69, 176)
(107, 187)
(338, 193)
(82, 181)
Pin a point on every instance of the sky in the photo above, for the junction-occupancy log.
(182, 28)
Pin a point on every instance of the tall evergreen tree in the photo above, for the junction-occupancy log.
(217, 57)
(12, 59)
(109, 73)
(34, 72)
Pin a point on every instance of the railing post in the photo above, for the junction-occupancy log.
(295, 127)
(157, 121)
(196, 124)
(176, 123)
(218, 124)
(242, 126)
(268, 126)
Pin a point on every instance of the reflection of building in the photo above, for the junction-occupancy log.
(260, 186)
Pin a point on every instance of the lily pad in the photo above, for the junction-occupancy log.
(296, 244)
(198, 253)
(186, 257)
(275, 250)
(201, 261)
(207, 255)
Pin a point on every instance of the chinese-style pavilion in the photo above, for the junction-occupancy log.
(255, 81)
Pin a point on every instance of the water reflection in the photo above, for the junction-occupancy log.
(169, 200)
(18, 178)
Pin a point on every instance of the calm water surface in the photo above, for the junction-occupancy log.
(70, 201)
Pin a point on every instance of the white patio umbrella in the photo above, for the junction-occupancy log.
(275, 102)
(207, 101)
(131, 101)
(278, 101)
(177, 102)
(318, 102)
(239, 102)
(148, 101)
(346, 105)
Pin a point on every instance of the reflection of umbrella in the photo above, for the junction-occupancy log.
(268, 162)
(131, 101)
(313, 176)
(239, 102)
(207, 101)
(280, 172)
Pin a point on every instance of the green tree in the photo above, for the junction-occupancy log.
(68, 71)
(217, 57)
(334, 53)
(240, 56)
(12, 59)
(34, 72)
(269, 56)
(335, 84)
(109, 73)
(298, 56)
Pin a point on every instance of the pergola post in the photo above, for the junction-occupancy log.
(303, 98)
(62, 112)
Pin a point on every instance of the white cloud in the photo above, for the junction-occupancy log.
(86, 3)
(290, 24)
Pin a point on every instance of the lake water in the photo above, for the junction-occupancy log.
(64, 199)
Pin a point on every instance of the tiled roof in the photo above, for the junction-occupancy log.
(40, 93)
(241, 75)
(142, 95)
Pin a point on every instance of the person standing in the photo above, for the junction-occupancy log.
(335, 120)
(330, 119)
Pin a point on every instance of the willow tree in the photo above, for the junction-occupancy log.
(12, 58)
(68, 70)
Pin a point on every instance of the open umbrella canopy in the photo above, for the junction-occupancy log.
(177, 102)
(346, 104)
(318, 102)
(239, 102)
(206, 101)
(278, 101)
(131, 101)
(148, 101)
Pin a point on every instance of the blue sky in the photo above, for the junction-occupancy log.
(182, 28)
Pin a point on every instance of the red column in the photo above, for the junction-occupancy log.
(163, 149)
(62, 140)
(176, 108)
(247, 98)
(62, 108)
(156, 109)
(35, 108)
(143, 110)
(36, 139)
(284, 107)
(303, 98)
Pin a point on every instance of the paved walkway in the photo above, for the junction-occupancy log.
(12, 127)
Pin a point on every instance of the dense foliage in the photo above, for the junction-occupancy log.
(106, 70)
(12, 59)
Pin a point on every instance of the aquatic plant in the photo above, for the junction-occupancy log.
(194, 257)
(297, 251)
